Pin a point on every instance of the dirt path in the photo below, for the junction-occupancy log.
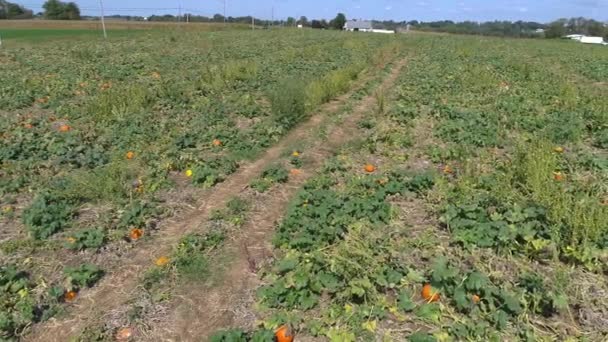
(201, 310)
(121, 282)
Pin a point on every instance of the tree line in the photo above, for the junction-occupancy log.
(53, 9)
(56, 9)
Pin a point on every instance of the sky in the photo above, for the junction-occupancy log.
(398, 10)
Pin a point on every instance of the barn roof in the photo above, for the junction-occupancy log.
(358, 24)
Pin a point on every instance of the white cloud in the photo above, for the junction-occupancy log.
(388, 8)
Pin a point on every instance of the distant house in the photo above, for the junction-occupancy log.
(358, 26)
(593, 40)
(574, 36)
(586, 39)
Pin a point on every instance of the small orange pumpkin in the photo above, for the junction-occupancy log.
(124, 334)
(448, 170)
(559, 149)
(369, 168)
(28, 125)
(476, 299)
(217, 142)
(130, 155)
(136, 233)
(558, 176)
(430, 294)
(156, 75)
(162, 261)
(295, 172)
(64, 128)
(284, 334)
(70, 296)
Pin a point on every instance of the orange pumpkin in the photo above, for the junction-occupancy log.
(558, 176)
(430, 294)
(70, 296)
(162, 261)
(217, 143)
(124, 334)
(369, 168)
(130, 155)
(559, 149)
(284, 334)
(28, 125)
(448, 170)
(136, 233)
(476, 299)
(295, 172)
(156, 75)
(64, 128)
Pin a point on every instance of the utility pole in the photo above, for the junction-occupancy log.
(103, 21)
(179, 12)
(252, 23)
(272, 20)
(224, 12)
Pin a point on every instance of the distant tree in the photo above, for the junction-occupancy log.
(10, 10)
(291, 21)
(319, 24)
(57, 10)
(595, 28)
(556, 29)
(218, 18)
(72, 11)
(338, 22)
(303, 21)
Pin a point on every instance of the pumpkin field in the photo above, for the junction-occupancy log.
(303, 185)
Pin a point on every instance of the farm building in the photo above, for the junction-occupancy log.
(593, 40)
(358, 25)
(586, 39)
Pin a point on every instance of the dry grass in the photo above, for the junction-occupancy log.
(114, 25)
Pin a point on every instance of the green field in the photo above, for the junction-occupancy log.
(38, 35)
(354, 187)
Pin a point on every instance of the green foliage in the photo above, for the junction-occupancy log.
(21, 304)
(190, 258)
(471, 128)
(272, 175)
(213, 171)
(57, 10)
(288, 101)
(489, 224)
(85, 239)
(237, 335)
(85, 275)
(47, 215)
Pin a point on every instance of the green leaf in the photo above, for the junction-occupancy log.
(461, 299)
(405, 302)
(476, 281)
(430, 312)
(286, 265)
(511, 303)
(421, 337)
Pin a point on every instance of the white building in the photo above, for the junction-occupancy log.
(358, 26)
(593, 40)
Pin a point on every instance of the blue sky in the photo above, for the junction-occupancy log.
(479, 10)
